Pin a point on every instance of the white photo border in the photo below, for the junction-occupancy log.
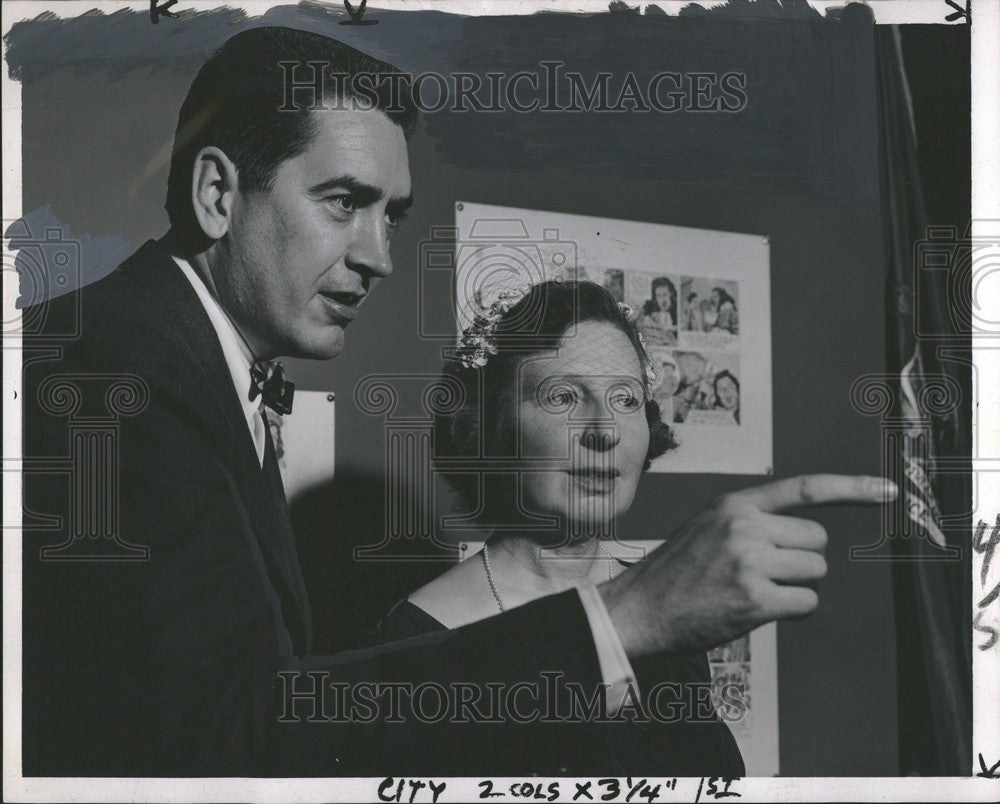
(985, 66)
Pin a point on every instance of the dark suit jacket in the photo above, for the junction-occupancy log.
(170, 665)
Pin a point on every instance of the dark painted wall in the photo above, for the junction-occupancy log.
(798, 165)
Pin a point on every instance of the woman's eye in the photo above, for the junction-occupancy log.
(624, 398)
(559, 398)
(625, 401)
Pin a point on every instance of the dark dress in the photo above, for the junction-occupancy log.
(698, 745)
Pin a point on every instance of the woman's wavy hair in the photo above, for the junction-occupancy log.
(536, 323)
(650, 306)
(724, 296)
(721, 376)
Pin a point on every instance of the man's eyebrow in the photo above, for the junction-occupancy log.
(397, 206)
(364, 193)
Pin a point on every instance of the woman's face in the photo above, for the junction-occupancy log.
(583, 423)
(715, 298)
(662, 295)
(727, 393)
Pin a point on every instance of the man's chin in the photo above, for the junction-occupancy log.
(325, 346)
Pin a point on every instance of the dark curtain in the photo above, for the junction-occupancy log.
(927, 440)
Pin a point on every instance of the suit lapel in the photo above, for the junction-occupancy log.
(154, 269)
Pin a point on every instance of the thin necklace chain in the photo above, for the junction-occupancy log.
(493, 584)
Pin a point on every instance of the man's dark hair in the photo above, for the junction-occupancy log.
(237, 103)
(482, 397)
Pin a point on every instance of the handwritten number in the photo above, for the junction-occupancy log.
(991, 597)
(714, 791)
(986, 547)
(978, 625)
(641, 789)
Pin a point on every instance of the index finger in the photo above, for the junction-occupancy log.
(817, 490)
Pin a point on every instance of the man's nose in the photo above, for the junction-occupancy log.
(368, 252)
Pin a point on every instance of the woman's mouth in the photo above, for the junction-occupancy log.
(595, 479)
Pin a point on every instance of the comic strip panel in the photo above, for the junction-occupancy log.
(698, 387)
(710, 313)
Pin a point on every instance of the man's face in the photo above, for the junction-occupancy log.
(300, 257)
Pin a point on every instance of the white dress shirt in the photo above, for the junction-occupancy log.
(615, 667)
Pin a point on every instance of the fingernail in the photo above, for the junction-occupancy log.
(887, 490)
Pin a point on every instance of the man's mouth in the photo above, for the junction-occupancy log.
(343, 305)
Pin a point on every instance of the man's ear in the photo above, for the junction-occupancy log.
(213, 191)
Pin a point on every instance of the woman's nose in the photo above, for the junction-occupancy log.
(601, 436)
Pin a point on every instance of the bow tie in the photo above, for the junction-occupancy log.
(267, 379)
